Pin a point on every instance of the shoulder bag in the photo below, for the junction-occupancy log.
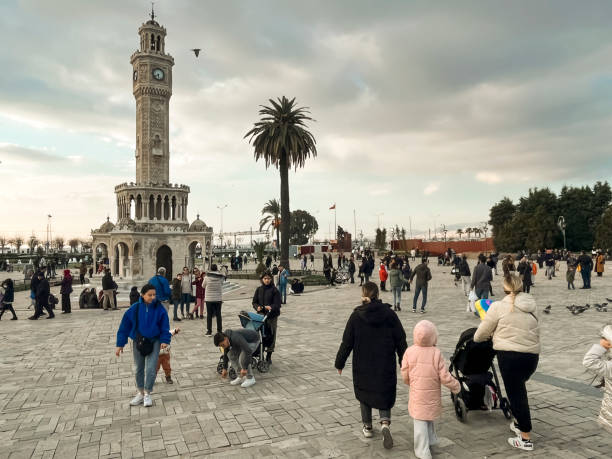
(143, 344)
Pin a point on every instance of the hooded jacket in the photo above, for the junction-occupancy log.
(422, 274)
(516, 330)
(213, 284)
(267, 295)
(396, 278)
(600, 364)
(382, 272)
(153, 322)
(375, 335)
(9, 291)
(162, 287)
(424, 370)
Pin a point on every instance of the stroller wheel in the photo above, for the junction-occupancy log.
(263, 366)
(461, 410)
(232, 374)
(505, 407)
(220, 366)
(253, 362)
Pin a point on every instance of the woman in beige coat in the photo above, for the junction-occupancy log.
(598, 361)
(513, 323)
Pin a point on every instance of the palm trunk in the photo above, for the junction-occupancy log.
(277, 237)
(285, 215)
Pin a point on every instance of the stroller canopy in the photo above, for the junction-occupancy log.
(251, 320)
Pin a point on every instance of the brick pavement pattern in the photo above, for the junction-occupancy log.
(63, 394)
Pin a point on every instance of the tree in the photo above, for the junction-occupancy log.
(603, 231)
(18, 241)
(459, 232)
(3, 243)
(468, 231)
(260, 251)
(281, 139)
(403, 233)
(86, 245)
(59, 243)
(380, 241)
(303, 226)
(32, 243)
(340, 233)
(74, 245)
(271, 212)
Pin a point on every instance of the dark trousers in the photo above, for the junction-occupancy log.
(382, 285)
(526, 288)
(516, 368)
(586, 278)
(352, 275)
(7, 307)
(39, 310)
(417, 290)
(82, 278)
(213, 308)
(185, 300)
(66, 302)
(366, 415)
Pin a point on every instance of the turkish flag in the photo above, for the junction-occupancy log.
(332, 207)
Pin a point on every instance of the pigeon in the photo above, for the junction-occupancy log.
(609, 299)
(547, 309)
(196, 51)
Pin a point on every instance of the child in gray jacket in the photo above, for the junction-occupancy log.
(598, 361)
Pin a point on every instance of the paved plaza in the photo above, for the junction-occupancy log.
(64, 394)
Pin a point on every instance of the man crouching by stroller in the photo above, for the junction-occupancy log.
(238, 347)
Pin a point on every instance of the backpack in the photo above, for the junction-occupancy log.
(53, 299)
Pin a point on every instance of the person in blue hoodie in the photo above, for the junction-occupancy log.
(162, 287)
(283, 279)
(153, 323)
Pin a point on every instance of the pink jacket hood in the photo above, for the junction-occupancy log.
(425, 334)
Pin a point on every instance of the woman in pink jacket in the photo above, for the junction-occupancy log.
(424, 370)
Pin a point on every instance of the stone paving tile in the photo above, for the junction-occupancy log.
(74, 401)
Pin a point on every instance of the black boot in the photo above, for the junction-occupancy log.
(269, 357)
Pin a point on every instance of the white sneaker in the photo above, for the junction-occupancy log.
(137, 400)
(367, 432)
(235, 382)
(148, 401)
(518, 442)
(248, 382)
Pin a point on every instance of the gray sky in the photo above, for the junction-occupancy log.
(424, 110)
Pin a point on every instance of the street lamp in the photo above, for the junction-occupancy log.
(48, 231)
(221, 226)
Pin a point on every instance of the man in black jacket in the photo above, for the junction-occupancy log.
(481, 278)
(423, 276)
(267, 301)
(586, 266)
(465, 273)
(351, 270)
(42, 298)
(108, 288)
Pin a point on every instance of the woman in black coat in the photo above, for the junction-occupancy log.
(375, 335)
(267, 301)
(9, 297)
(65, 291)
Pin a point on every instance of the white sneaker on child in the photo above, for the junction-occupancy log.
(235, 382)
(248, 382)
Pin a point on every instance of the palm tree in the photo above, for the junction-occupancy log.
(18, 241)
(59, 243)
(459, 233)
(271, 212)
(477, 231)
(282, 139)
(468, 231)
(3, 243)
(74, 244)
(32, 243)
(260, 250)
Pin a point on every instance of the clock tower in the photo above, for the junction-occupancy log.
(152, 88)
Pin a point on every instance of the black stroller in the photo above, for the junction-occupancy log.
(472, 365)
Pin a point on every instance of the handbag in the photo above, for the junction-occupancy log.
(143, 344)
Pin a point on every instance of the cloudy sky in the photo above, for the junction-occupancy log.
(425, 111)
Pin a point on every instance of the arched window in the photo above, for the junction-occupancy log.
(158, 48)
(152, 42)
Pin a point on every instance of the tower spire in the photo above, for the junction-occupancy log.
(152, 11)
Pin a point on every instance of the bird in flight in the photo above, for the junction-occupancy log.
(196, 51)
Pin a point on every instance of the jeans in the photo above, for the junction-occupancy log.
(199, 304)
(282, 288)
(176, 304)
(366, 415)
(185, 300)
(424, 437)
(417, 290)
(482, 293)
(213, 308)
(397, 295)
(586, 278)
(146, 367)
(516, 368)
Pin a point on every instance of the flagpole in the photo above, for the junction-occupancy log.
(335, 225)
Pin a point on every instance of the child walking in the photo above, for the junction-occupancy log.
(164, 359)
(424, 370)
(598, 361)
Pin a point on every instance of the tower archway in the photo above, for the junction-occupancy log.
(163, 258)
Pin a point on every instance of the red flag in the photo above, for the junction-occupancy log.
(333, 207)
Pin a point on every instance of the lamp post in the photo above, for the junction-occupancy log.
(48, 232)
(221, 225)
(561, 225)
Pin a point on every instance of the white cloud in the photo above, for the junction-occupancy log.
(431, 188)
(488, 177)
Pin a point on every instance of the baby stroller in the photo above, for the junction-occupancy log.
(472, 365)
(256, 322)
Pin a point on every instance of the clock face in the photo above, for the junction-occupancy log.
(135, 75)
(158, 74)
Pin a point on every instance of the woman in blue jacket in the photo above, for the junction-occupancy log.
(153, 323)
